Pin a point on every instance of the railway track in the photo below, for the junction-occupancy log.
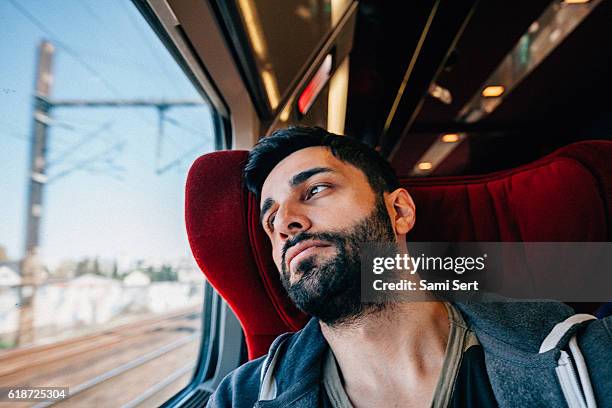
(147, 356)
(81, 343)
(123, 369)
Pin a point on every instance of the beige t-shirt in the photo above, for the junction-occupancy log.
(460, 338)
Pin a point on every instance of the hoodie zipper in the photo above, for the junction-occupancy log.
(569, 381)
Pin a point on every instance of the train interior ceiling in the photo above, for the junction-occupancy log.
(440, 88)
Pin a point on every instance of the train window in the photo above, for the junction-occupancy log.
(98, 125)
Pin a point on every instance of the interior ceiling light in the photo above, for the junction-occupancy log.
(450, 138)
(253, 28)
(493, 91)
(271, 88)
(441, 94)
(336, 99)
(256, 37)
(575, 1)
(437, 153)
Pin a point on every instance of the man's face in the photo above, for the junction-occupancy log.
(316, 211)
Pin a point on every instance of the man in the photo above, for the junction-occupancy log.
(321, 196)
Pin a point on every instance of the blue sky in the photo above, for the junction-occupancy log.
(115, 205)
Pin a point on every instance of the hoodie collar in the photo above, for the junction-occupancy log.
(521, 325)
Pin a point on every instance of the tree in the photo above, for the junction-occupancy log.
(115, 274)
(82, 267)
(96, 267)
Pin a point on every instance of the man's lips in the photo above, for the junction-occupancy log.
(297, 249)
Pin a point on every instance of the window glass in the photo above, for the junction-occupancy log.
(98, 289)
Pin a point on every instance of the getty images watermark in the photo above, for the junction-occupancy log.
(564, 271)
(413, 264)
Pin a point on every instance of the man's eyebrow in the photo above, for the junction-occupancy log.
(267, 204)
(294, 182)
(306, 174)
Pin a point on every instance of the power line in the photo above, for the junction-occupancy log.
(11, 124)
(92, 13)
(116, 40)
(63, 46)
(15, 135)
(77, 57)
(80, 120)
(138, 102)
(88, 138)
(70, 51)
(179, 159)
(85, 162)
(180, 125)
(111, 170)
(161, 105)
(116, 60)
(62, 125)
(144, 39)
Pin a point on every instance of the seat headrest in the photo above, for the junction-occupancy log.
(565, 196)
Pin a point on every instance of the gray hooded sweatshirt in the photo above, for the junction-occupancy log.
(510, 333)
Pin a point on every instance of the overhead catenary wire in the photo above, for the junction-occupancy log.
(147, 43)
(179, 159)
(15, 135)
(72, 52)
(180, 125)
(92, 13)
(87, 161)
(116, 40)
(86, 139)
(65, 47)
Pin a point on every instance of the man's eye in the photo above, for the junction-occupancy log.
(270, 222)
(315, 190)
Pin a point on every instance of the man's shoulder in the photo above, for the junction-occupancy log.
(501, 322)
(597, 336)
(289, 359)
(240, 388)
(595, 341)
(520, 372)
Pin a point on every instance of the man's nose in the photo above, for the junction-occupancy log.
(291, 221)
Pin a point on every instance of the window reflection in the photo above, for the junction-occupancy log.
(284, 36)
(542, 37)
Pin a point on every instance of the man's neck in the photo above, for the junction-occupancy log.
(399, 349)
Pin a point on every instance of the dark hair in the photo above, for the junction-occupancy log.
(269, 151)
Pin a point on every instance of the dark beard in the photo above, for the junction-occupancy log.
(331, 290)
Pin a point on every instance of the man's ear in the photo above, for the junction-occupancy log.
(403, 210)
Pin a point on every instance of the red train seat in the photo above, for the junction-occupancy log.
(565, 196)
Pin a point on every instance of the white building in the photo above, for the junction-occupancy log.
(136, 278)
(9, 274)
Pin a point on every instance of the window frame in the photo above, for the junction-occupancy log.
(218, 322)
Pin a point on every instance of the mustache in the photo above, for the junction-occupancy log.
(332, 238)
